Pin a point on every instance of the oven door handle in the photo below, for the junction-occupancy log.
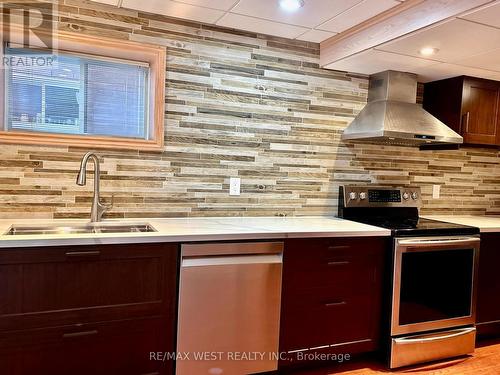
(435, 241)
(459, 332)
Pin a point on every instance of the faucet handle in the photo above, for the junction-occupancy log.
(110, 205)
(102, 208)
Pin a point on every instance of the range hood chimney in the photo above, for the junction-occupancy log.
(392, 116)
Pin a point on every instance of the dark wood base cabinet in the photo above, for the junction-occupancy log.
(332, 297)
(87, 309)
(488, 289)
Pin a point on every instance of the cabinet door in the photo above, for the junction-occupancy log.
(488, 289)
(55, 286)
(480, 114)
(332, 295)
(123, 348)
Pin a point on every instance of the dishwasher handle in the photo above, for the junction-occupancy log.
(231, 260)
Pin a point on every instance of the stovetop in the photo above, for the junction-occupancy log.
(394, 208)
(404, 227)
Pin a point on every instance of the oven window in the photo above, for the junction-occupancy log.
(436, 285)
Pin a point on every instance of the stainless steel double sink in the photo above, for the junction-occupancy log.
(17, 230)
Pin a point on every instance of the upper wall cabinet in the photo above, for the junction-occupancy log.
(468, 105)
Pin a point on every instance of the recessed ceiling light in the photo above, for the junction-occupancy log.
(291, 5)
(428, 51)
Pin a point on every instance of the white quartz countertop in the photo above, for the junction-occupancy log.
(195, 229)
(484, 223)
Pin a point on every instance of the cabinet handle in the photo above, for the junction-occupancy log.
(338, 247)
(339, 263)
(80, 334)
(83, 253)
(331, 304)
(467, 117)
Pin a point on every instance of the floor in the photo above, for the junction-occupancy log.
(485, 361)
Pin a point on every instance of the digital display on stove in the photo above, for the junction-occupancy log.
(382, 196)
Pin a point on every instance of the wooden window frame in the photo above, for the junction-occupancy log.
(101, 47)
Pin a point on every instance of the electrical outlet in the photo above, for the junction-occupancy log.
(234, 185)
(436, 191)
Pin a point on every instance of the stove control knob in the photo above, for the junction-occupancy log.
(406, 196)
(414, 195)
(362, 196)
(353, 196)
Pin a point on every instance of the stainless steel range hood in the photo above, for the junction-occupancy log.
(392, 116)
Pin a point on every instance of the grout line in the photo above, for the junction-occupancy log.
(337, 15)
(305, 32)
(348, 9)
(227, 11)
(401, 54)
(477, 22)
(437, 62)
(196, 6)
(276, 22)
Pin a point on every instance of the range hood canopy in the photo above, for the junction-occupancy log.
(392, 116)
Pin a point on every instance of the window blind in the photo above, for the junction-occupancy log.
(78, 95)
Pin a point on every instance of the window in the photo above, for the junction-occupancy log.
(78, 95)
(86, 99)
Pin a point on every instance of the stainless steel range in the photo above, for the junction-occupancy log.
(434, 274)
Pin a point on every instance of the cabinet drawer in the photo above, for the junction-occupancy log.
(44, 287)
(309, 253)
(105, 348)
(317, 318)
(339, 263)
(345, 273)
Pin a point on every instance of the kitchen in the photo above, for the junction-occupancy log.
(229, 192)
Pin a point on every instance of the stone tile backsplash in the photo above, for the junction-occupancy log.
(238, 105)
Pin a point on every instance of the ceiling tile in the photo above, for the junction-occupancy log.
(357, 14)
(237, 21)
(489, 60)
(316, 36)
(214, 4)
(175, 9)
(455, 39)
(444, 70)
(489, 15)
(108, 2)
(373, 61)
(313, 13)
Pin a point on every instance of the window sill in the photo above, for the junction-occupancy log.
(90, 142)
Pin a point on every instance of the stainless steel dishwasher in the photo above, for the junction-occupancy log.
(229, 308)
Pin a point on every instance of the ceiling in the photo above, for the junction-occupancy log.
(467, 45)
(316, 21)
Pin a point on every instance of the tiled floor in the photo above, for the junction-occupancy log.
(485, 361)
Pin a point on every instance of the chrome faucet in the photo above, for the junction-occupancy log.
(98, 209)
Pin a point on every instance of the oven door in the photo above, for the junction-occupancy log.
(434, 284)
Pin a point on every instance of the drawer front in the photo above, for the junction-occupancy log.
(428, 347)
(338, 263)
(57, 286)
(105, 348)
(316, 318)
